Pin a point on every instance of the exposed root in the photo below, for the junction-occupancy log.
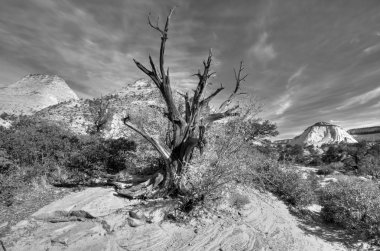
(147, 189)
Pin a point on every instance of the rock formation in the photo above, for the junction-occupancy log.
(33, 93)
(140, 99)
(322, 133)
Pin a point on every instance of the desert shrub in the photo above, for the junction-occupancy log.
(369, 165)
(31, 142)
(330, 168)
(292, 153)
(6, 163)
(288, 184)
(375, 150)
(229, 159)
(99, 114)
(10, 179)
(238, 200)
(336, 165)
(43, 148)
(331, 155)
(232, 159)
(353, 204)
(94, 154)
(325, 170)
(9, 183)
(316, 161)
(8, 189)
(268, 150)
(7, 116)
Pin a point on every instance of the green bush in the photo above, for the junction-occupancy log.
(353, 204)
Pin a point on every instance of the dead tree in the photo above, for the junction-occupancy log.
(187, 128)
(100, 114)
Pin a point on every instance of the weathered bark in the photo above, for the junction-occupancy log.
(187, 128)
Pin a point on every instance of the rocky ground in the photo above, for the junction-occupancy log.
(96, 219)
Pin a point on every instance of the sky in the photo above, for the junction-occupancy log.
(307, 60)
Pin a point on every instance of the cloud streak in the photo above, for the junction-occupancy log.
(295, 76)
(262, 50)
(361, 99)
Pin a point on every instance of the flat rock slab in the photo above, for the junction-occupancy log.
(97, 202)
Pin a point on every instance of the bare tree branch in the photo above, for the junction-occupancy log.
(239, 78)
(217, 116)
(156, 27)
(162, 80)
(160, 147)
(208, 99)
(202, 84)
(143, 68)
(153, 67)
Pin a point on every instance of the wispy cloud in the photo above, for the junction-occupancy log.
(296, 75)
(283, 105)
(377, 105)
(372, 49)
(361, 99)
(262, 50)
(335, 121)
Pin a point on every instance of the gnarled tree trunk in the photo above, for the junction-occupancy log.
(187, 129)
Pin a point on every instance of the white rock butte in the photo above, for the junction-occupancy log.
(33, 93)
(322, 133)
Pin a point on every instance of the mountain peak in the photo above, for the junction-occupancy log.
(322, 123)
(322, 133)
(34, 92)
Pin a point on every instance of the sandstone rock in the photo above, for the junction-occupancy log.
(95, 202)
(20, 224)
(322, 133)
(135, 222)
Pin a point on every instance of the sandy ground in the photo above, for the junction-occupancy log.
(263, 224)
